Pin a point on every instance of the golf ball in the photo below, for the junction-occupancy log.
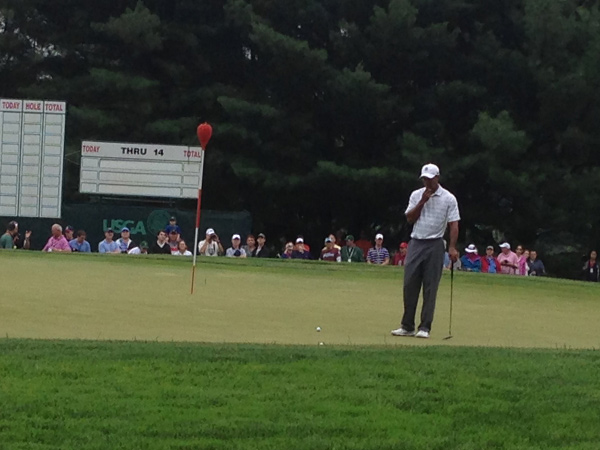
(320, 343)
(318, 328)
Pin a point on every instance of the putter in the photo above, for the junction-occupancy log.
(451, 291)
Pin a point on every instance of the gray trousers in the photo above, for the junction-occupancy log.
(423, 267)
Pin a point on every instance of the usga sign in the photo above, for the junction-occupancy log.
(135, 227)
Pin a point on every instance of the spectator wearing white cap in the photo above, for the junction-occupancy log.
(235, 251)
(509, 261)
(300, 251)
(330, 253)
(471, 261)
(431, 209)
(378, 254)
(211, 245)
(300, 239)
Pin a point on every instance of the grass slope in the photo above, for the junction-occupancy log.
(54, 296)
(124, 395)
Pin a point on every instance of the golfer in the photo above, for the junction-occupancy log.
(431, 209)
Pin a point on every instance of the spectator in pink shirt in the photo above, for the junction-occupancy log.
(523, 267)
(509, 261)
(57, 242)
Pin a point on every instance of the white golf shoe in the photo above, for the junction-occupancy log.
(422, 334)
(402, 332)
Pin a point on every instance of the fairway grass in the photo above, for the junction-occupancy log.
(82, 383)
(120, 297)
(77, 395)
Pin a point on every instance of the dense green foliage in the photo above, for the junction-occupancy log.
(324, 110)
(96, 395)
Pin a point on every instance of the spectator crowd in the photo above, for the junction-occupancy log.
(520, 262)
(168, 241)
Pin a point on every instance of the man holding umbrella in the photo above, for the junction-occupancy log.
(431, 209)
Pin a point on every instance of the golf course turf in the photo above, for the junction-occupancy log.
(79, 296)
(71, 376)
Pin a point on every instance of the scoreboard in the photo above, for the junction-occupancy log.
(32, 137)
(143, 170)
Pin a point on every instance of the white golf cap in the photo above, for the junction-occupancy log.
(505, 245)
(210, 231)
(378, 236)
(235, 236)
(471, 249)
(299, 241)
(430, 171)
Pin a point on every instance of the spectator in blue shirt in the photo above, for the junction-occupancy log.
(79, 244)
(378, 254)
(471, 261)
(173, 226)
(108, 245)
(125, 243)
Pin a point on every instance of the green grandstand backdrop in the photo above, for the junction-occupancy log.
(143, 221)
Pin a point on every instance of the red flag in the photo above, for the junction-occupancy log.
(204, 132)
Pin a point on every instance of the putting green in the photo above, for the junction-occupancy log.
(51, 296)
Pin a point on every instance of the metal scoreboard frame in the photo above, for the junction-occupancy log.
(140, 170)
(32, 145)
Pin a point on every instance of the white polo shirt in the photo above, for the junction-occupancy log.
(440, 209)
(212, 249)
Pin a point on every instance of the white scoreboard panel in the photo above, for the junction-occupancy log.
(32, 137)
(143, 170)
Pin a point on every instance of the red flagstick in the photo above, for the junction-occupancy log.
(204, 133)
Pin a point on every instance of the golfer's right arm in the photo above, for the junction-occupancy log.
(413, 214)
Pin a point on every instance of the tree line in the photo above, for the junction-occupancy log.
(324, 110)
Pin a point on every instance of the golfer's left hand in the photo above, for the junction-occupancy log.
(453, 253)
